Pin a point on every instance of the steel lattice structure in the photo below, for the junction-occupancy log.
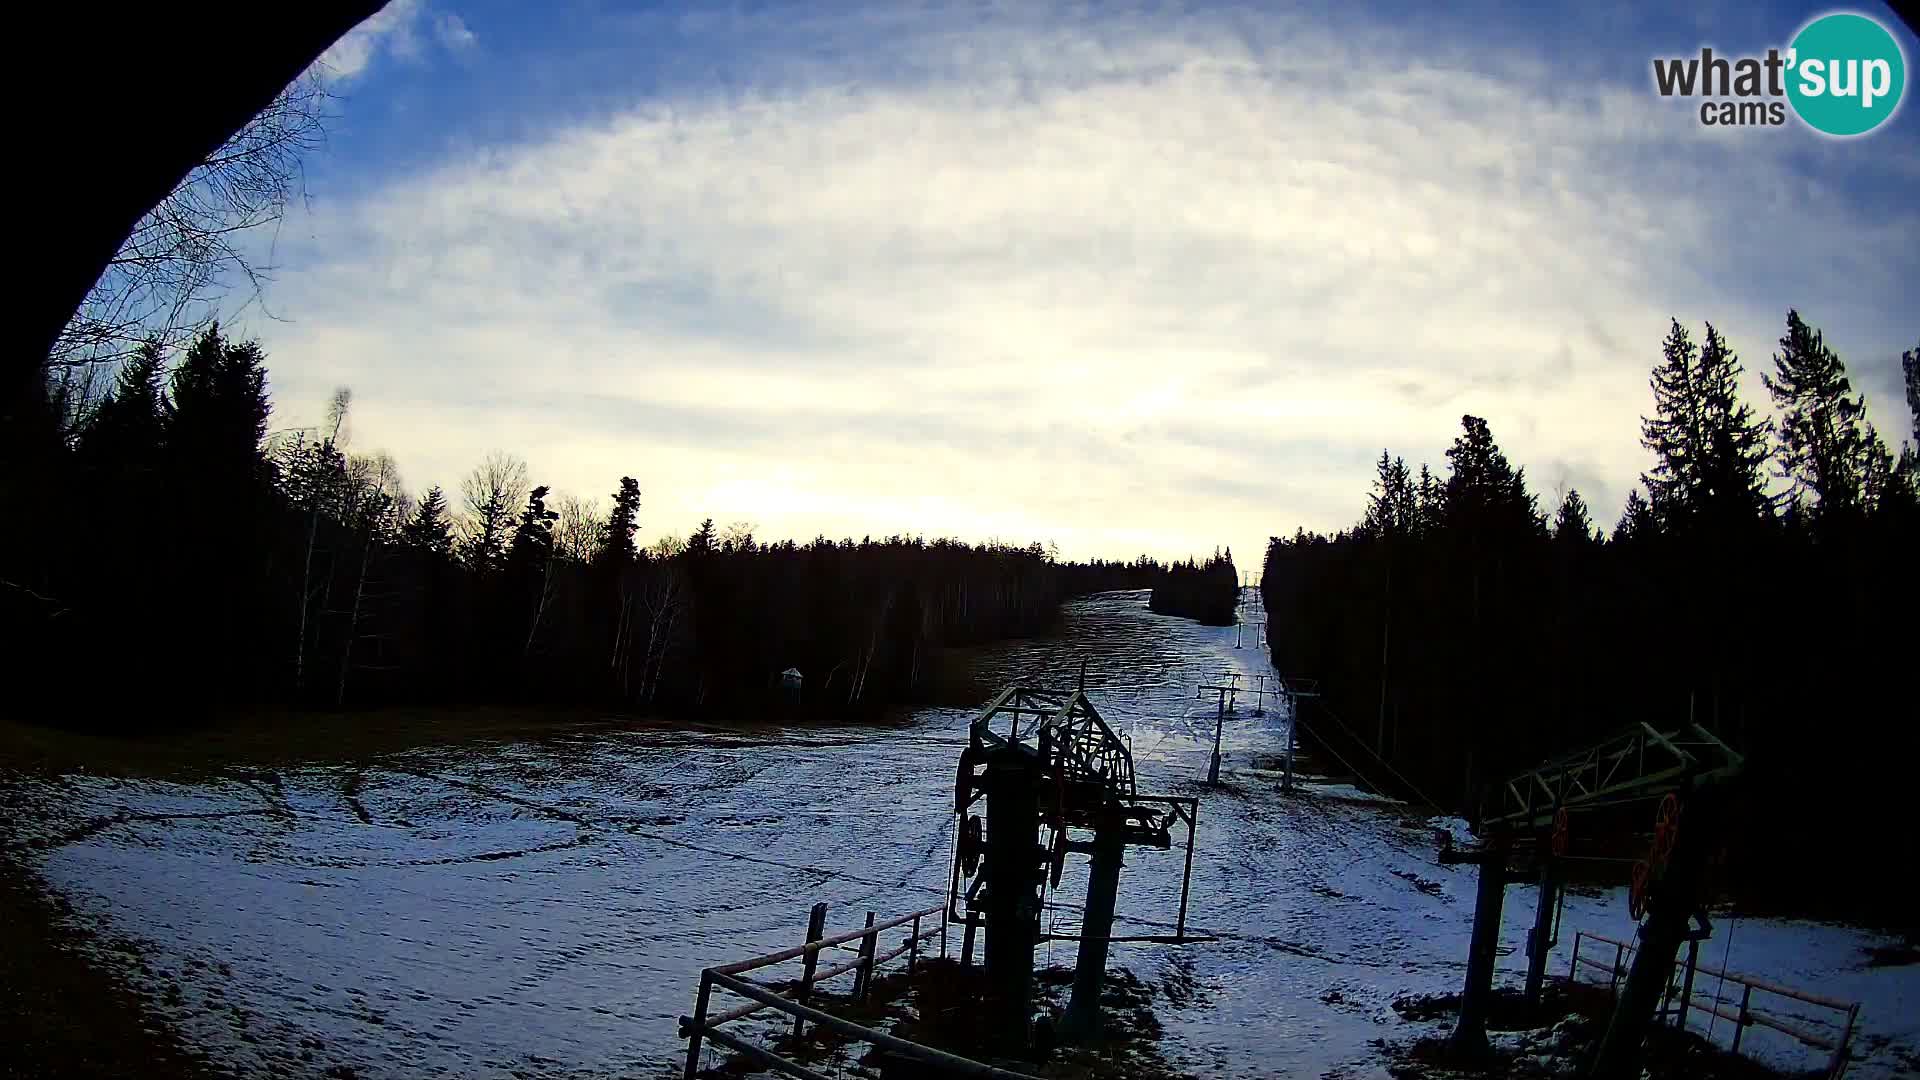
(1638, 763)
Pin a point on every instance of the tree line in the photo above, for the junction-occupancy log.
(1760, 580)
(170, 555)
(1208, 592)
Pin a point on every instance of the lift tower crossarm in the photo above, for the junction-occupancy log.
(1636, 763)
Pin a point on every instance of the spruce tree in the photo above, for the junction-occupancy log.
(1392, 508)
(125, 431)
(1823, 450)
(1571, 523)
(1637, 522)
(622, 523)
(1427, 501)
(1484, 494)
(216, 416)
(1708, 445)
(701, 542)
(430, 530)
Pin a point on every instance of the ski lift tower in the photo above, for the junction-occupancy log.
(1681, 772)
(1042, 758)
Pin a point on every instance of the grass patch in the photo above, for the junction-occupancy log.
(286, 736)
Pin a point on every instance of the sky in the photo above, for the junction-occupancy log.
(1126, 278)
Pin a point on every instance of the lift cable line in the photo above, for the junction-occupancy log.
(1357, 741)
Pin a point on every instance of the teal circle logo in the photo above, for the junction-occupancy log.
(1845, 74)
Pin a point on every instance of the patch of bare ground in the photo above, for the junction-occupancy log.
(64, 1014)
(1554, 1040)
(939, 1005)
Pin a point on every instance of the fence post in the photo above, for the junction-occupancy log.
(699, 1023)
(1619, 955)
(943, 933)
(966, 943)
(863, 975)
(1686, 990)
(1740, 1028)
(913, 946)
(1839, 1063)
(1573, 966)
(816, 929)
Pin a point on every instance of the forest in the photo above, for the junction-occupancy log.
(1207, 592)
(177, 557)
(1760, 580)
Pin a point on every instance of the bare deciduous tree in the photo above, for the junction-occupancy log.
(183, 259)
(737, 536)
(375, 503)
(315, 479)
(493, 493)
(664, 596)
(581, 530)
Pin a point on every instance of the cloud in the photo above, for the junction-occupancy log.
(1151, 283)
(452, 32)
(396, 30)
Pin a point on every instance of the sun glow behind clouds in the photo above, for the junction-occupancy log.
(1159, 285)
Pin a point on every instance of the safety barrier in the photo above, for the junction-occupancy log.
(1684, 985)
(704, 1026)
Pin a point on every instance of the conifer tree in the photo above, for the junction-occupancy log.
(533, 538)
(1427, 502)
(1709, 445)
(702, 540)
(217, 412)
(125, 431)
(1823, 449)
(490, 493)
(1484, 494)
(1393, 506)
(622, 523)
(429, 529)
(1571, 523)
(1637, 522)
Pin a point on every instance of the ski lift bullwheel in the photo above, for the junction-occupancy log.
(1058, 854)
(971, 845)
(963, 779)
(1666, 828)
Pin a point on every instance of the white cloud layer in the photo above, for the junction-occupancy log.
(1140, 290)
(397, 31)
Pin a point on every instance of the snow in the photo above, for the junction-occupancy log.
(544, 910)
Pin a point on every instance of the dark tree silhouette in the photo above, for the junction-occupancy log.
(1824, 449)
(1709, 447)
(622, 524)
(1637, 521)
(429, 531)
(1483, 642)
(1571, 523)
(1208, 592)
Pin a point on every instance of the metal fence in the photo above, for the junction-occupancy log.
(1684, 985)
(704, 1025)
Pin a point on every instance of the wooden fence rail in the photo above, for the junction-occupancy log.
(1688, 990)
